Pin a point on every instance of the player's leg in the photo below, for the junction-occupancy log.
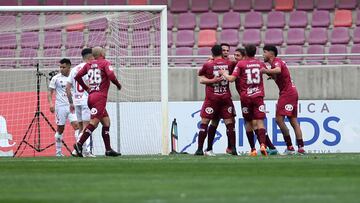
(226, 112)
(298, 133)
(283, 109)
(259, 115)
(105, 132)
(208, 112)
(60, 116)
(211, 136)
(250, 127)
(83, 115)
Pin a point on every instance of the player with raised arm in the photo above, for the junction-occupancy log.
(218, 102)
(100, 73)
(288, 98)
(62, 107)
(247, 75)
(78, 99)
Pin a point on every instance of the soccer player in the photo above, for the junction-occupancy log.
(79, 103)
(62, 107)
(252, 93)
(218, 102)
(288, 98)
(100, 73)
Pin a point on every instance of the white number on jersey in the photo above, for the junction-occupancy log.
(253, 72)
(94, 78)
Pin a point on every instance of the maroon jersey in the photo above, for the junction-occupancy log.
(100, 73)
(218, 90)
(283, 80)
(249, 79)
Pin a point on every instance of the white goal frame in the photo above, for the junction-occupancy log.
(163, 47)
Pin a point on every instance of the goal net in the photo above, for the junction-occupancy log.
(39, 37)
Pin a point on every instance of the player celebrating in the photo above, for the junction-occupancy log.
(288, 98)
(79, 103)
(62, 107)
(100, 73)
(218, 102)
(252, 93)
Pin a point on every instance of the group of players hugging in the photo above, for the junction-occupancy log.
(247, 72)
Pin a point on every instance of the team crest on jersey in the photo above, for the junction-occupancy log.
(93, 111)
(230, 109)
(209, 110)
(289, 107)
(245, 110)
(262, 108)
(111, 68)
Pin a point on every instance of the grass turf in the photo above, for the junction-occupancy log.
(182, 178)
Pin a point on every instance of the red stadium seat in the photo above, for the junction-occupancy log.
(137, 2)
(207, 38)
(284, 5)
(78, 25)
(116, 2)
(343, 18)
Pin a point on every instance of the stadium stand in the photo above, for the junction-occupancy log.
(262, 5)
(186, 21)
(318, 36)
(7, 53)
(320, 18)
(343, 18)
(284, 5)
(96, 2)
(275, 19)
(77, 25)
(208, 21)
(251, 36)
(28, 53)
(298, 19)
(207, 38)
(7, 41)
(325, 4)
(347, 4)
(52, 40)
(200, 6)
(274, 36)
(296, 36)
(340, 35)
(253, 20)
(29, 40)
(75, 2)
(241, 5)
(230, 36)
(231, 20)
(116, 2)
(305, 5)
(54, 2)
(220, 5)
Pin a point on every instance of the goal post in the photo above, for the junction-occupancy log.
(136, 45)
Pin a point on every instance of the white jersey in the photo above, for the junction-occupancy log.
(58, 83)
(80, 96)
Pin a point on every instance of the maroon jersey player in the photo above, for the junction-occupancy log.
(288, 98)
(100, 73)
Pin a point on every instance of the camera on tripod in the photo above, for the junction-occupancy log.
(53, 73)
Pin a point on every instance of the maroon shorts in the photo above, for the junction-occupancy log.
(97, 106)
(287, 105)
(216, 109)
(253, 108)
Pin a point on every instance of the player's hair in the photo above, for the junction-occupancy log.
(241, 51)
(86, 52)
(66, 61)
(216, 50)
(271, 48)
(225, 44)
(250, 50)
(97, 52)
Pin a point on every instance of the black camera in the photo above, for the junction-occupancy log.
(53, 73)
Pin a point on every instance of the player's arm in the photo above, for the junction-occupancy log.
(79, 76)
(225, 74)
(50, 100)
(112, 77)
(204, 80)
(273, 71)
(69, 96)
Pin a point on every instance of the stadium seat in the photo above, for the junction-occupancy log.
(347, 4)
(178, 6)
(208, 21)
(8, 22)
(320, 18)
(202, 51)
(318, 36)
(96, 2)
(220, 5)
(73, 52)
(207, 38)
(185, 38)
(123, 40)
(28, 53)
(75, 2)
(294, 50)
(340, 35)
(137, 2)
(158, 2)
(315, 60)
(325, 4)
(7, 41)
(140, 39)
(355, 49)
(298, 19)
(275, 19)
(186, 21)
(169, 36)
(262, 5)
(200, 6)
(78, 25)
(274, 37)
(230, 37)
(54, 2)
(183, 51)
(343, 18)
(52, 52)
(52, 39)
(29, 40)
(358, 17)
(296, 36)
(98, 24)
(116, 2)
(284, 5)
(29, 22)
(74, 39)
(305, 5)
(30, 3)
(337, 49)
(231, 20)
(97, 38)
(53, 22)
(170, 22)
(142, 22)
(251, 36)
(9, 3)
(356, 35)
(253, 20)
(241, 5)
(7, 53)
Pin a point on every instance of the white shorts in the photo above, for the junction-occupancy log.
(62, 113)
(82, 113)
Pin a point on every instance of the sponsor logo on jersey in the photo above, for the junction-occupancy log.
(245, 110)
(209, 110)
(230, 109)
(289, 107)
(262, 108)
(94, 111)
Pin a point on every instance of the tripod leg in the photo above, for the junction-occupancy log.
(26, 134)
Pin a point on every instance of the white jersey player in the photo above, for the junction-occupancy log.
(78, 97)
(62, 107)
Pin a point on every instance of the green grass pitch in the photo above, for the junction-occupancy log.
(182, 178)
